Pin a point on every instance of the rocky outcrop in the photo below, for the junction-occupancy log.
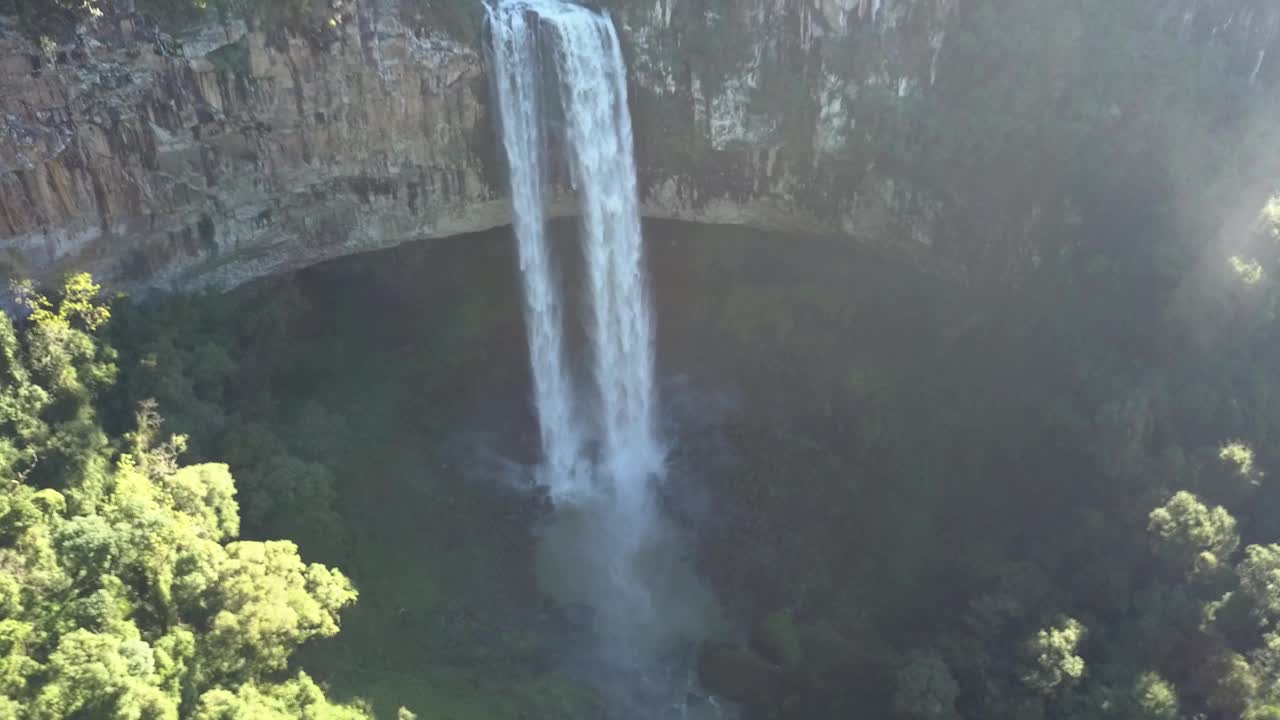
(745, 112)
(234, 154)
(226, 152)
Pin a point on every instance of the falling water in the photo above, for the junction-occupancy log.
(1262, 55)
(516, 71)
(608, 547)
(593, 89)
(588, 83)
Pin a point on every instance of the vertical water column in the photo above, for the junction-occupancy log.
(593, 87)
(607, 520)
(516, 79)
(598, 138)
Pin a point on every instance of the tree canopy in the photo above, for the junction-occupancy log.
(124, 592)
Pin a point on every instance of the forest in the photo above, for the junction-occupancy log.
(1038, 515)
(889, 489)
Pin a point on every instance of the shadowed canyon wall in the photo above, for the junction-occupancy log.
(976, 136)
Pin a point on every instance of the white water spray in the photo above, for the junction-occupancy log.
(609, 526)
(516, 69)
(593, 90)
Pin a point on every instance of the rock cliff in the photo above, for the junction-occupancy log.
(231, 154)
(949, 130)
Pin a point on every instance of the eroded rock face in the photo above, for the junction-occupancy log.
(744, 111)
(234, 154)
(227, 153)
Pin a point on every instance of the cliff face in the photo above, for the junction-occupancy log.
(221, 153)
(230, 156)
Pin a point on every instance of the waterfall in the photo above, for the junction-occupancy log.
(551, 58)
(559, 83)
(593, 89)
(516, 70)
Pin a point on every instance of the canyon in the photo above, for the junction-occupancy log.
(206, 154)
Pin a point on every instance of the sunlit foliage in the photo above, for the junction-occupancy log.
(123, 592)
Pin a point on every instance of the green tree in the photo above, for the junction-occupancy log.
(1262, 712)
(1052, 660)
(926, 688)
(296, 698)
(123, 592)
(1259, 574)
(1230, 474)
(50, 373)
(1155, 697)
(1233, 686)
(1191, 538)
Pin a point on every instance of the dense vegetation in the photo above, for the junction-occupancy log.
(123, 590)
(126, 591)
(1051, 495)
(929, 502)
(934, 503)
(342, 399)
(1051, 502)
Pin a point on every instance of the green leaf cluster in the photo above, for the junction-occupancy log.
(124, 592)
